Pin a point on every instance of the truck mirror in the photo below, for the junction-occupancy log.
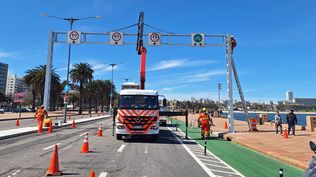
(164, 102)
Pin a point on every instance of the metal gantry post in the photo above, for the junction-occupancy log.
(229, 84)
(51, 38)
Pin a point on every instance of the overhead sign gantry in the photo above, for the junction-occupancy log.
(154, 39)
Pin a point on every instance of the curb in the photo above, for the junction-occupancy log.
(45, 128)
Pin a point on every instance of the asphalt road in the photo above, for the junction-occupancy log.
(11, 124)
(30, 155)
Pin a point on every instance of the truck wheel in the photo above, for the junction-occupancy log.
(118, 137)
(154, 137)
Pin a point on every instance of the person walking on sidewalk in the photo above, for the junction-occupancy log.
(41, 113)
(278, 122)
(205, 120)
(292, 121)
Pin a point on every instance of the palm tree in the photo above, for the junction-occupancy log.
(81, 73)
(89, 92)
(35, 78)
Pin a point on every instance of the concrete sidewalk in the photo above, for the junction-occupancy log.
(294, 150)
(5, 134)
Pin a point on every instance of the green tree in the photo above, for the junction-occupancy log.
(81, 73)
(89, 92)
(35, 78)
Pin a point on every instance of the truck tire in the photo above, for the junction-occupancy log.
(118, 137)
(154, 137)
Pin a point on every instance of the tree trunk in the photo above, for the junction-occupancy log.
(102, 104)
(80, 97)
(33, 100)
(90, 104)
(96, 105)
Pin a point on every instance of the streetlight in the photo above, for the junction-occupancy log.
(71, 20)
(111, 95)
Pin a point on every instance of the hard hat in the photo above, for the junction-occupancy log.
(203, 109)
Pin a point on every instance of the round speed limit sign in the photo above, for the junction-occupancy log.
(74, 35)
(116, 38)
(154, 39)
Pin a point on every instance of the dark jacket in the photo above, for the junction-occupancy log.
(291, 119)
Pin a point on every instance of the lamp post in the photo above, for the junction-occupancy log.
(111, 95)
(71, 21)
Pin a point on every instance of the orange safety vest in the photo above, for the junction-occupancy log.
(204, 118)
(40, 113)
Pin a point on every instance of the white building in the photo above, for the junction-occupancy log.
(14, 84)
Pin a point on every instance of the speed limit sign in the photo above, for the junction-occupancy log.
(73, 37)
(154, 39)
(116, 38)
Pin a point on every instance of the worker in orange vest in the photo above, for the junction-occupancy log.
(205, 120)
(234, 43)
(40, 114)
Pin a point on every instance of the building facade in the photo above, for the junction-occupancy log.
(14, 85)
(3, 77)
(289, 96)
(305, 101)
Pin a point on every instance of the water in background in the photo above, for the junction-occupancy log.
(301, 118)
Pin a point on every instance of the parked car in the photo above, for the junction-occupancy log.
(1, 111)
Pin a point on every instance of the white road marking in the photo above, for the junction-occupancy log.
(15, 173)
(216, 165)
(67, 147)
(51, 146)
(217, 157)
(121, 148)
(224, 172)
(103, 174)
(207, 170)
(146, 149)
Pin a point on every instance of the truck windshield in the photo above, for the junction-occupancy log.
(138, 102)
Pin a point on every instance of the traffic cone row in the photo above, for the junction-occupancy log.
(50, 129)
(92, 173)
(73, 125)
(17, 123)
(225, 125)
(285, 135)
(85, 145)
(100, 130)
(53, 169)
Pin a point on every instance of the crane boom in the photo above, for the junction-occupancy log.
(143, 68)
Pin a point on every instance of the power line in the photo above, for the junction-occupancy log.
(158, 29)
(123, 28)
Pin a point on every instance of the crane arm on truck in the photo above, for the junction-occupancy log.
(143, 68)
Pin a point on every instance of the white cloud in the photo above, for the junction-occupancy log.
(177, 63)
(202, 76)
(189, 95)
(5, 54)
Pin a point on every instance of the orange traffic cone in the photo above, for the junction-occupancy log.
(85, 145)
(53, 169)
(100, 130)
(285, 135)
(73, 124)
(50, 129)
(103, 113)
(17, 123)
(40, 128)
(69, 117)
(225, 125)
(92, 173)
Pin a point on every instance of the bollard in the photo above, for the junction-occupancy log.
(205, 145)
(281, 172)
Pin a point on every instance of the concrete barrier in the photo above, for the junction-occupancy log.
(310, 123)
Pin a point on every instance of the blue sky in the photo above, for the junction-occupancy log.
(275, 50)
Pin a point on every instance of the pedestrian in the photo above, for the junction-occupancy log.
(292, 121)
(278, 122)
(41, 113)
(205, 120)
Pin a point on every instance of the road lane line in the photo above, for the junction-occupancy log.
(216, 165)
(67, 147)
(238, 173)
(121, 148)
(103, 174)
(207, 170)
(51, 146)
(220, 171)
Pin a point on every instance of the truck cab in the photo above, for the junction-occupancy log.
(137, 113)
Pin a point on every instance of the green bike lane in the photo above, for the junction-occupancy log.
(248, 162)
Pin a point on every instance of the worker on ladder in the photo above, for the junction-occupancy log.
(233, 42)
(205, 121)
